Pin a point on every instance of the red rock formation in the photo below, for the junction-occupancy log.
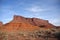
(39, 22)
(31, 27)
(32, 21)
(22, 23)
(18, 18)
(19, 23)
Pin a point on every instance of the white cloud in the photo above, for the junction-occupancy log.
(55, 22)
(35, 9)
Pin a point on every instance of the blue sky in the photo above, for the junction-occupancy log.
(44, 9)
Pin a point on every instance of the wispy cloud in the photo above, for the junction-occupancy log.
(55, 22)
(46, 9)
(35, 9)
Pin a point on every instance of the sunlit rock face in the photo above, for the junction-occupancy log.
(19, 23)
(22, 28)
(18, 18)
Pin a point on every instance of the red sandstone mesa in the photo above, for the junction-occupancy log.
(22, 23)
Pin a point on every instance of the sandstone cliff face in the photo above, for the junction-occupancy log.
(33, 21)
(19, 23)
(23, 24)
(39, 22)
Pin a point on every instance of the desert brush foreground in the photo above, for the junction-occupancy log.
(21, 28)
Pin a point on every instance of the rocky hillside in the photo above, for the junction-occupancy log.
(21, 28)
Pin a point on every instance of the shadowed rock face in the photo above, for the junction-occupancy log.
(39, 22)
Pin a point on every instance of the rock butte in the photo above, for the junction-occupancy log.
(20, 23)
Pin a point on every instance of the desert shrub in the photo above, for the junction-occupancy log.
(57, 35)
(3, 36)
